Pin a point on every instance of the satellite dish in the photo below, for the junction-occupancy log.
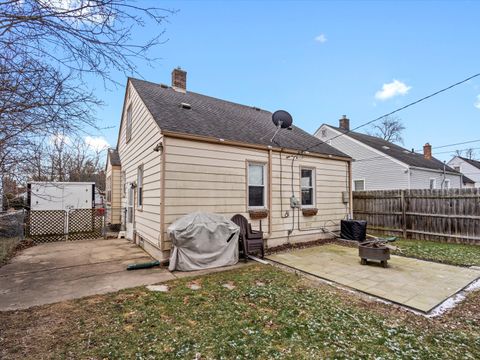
(282, 119)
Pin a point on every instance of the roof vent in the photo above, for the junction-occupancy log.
(385, 147)
(255, 108)
(165, 86)
(185, 106)
(406, 151)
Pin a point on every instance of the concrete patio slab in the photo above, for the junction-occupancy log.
(60, 271)
(418, 284)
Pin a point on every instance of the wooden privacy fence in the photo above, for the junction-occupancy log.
(443, 215)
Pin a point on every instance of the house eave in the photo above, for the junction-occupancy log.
(435, 170)
(213, 140)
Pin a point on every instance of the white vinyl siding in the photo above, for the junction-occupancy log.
(420, 179)
(379, 171)
(145, 134)
(467, 169)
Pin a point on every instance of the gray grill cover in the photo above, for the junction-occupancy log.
(203, 240)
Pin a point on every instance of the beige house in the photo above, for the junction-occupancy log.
(113, 197)
(179, 152)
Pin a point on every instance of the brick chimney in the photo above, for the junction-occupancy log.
(427, 151)
(344, 123)
(179, 80)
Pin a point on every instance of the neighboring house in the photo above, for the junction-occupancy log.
(113, 192)
(381, 165)
(183, 152)
(469, 168)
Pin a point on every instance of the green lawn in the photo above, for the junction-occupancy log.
(270, 314)
(455, 254)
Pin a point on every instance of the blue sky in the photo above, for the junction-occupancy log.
(320, 60)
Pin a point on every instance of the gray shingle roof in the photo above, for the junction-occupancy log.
(472, 162)
(397, 152)
(114, 157)
(222, 119)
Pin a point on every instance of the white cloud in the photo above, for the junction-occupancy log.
(97, 143)
(477, 103)
(321, 38)
(392, 89)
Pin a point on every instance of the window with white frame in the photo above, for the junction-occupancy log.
(446, 184)
(359, 185)
(307, 182)
(128, 126)
(130, 204)
(140, 186)
(256, 185)
(433, 183)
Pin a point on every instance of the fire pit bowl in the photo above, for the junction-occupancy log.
(372, 251)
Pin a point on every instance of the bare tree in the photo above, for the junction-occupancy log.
(61, 158)
(466, 153)
(49, 52)
(390, 128)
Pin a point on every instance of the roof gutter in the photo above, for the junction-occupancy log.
(213, 140)
(435, 170)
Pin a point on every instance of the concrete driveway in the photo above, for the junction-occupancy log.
(60, 271)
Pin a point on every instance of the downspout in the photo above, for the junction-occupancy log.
(270, 192)
(282, 215)
(444, 175)
(350, 188)
(290, 231)
(162, 196)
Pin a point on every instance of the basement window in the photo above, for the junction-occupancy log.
(308, 187)
(256, 185)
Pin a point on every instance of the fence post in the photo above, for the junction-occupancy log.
(404, 215)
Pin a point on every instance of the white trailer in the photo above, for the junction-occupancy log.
(59, 209)
(61, 195)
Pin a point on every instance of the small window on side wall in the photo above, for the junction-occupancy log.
(433, 184)
(256, 185)
(140, 186)
(358, 185)
(128, 126)
(307, 182)
(446, 185)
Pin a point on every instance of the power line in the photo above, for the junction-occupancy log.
(400, 109)
(448, 145)
(452, 151)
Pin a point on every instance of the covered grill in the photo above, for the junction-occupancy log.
(203, 240)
